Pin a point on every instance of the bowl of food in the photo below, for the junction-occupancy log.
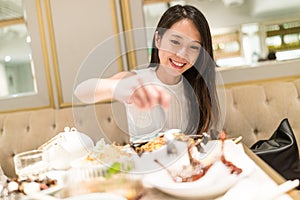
(204, 175)
(103, 160)
(145, 152)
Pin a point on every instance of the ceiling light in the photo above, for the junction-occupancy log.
(230, 3)
(28, 39)
(7, 58)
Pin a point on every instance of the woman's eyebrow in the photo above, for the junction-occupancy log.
(181, 37)
(176, 35)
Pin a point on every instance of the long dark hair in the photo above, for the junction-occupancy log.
(201, 78)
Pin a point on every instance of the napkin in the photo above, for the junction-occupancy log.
(256, 186)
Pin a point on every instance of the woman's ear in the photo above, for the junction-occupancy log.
(157, 40)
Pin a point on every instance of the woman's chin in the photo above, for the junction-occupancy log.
(175, 71)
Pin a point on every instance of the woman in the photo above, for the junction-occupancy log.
(180, 79)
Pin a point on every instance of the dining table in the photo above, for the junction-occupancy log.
(263, 175)
(263, 183)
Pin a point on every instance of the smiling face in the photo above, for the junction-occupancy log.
(179, 49)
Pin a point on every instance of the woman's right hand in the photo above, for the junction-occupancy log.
(143, 94)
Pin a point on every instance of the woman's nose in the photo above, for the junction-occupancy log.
(182, 52)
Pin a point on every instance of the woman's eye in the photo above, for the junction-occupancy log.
(195, 48)
(175, 42)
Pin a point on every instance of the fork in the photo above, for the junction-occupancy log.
(200, 143)
(171, 148)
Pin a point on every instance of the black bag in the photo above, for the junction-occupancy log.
(280, 151)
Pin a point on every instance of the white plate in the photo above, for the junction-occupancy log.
(96, 196)
(57, 175)
(54, 175)
(214, 183)
(147, 137)
(145, 163)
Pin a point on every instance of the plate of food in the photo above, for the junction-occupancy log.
(144, 153)
(203, 176)
(103, 161)
(25, 189)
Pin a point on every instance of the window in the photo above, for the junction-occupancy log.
(227, 45)
(285, 36)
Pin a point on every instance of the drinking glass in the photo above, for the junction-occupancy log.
(31, 165)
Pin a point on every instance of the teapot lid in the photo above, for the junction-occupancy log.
(68, 129)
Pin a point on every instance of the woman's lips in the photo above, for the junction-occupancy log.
(177, 64)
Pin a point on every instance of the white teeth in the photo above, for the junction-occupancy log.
(178, 64)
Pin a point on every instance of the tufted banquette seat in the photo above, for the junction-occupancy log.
(253, 111)
(26, 130)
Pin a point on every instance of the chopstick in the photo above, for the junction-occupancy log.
(237, 140)
(283, 188)
(287, 186)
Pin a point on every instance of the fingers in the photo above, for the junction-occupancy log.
(149, 95)
(165, 99)
(144, 95)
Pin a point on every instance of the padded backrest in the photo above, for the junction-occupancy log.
(255, 111)
(22, 131)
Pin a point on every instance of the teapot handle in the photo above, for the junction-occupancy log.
(50, 142)
(56, 138)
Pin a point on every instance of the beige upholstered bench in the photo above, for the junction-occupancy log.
(22, 131)
(252, 111)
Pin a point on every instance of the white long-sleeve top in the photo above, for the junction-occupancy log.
(141, 123)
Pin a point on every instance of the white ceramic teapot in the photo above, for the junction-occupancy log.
(65, 147)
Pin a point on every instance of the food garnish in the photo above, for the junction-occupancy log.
(195, 170)
(189, 173)
(28, 186)
(103, 154)
(116, 168)
(149, 146)
(234, 169)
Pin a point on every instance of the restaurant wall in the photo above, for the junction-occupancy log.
(78, 28)
(64, 33)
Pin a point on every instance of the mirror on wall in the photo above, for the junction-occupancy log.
(17, 77)
(247, 33)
